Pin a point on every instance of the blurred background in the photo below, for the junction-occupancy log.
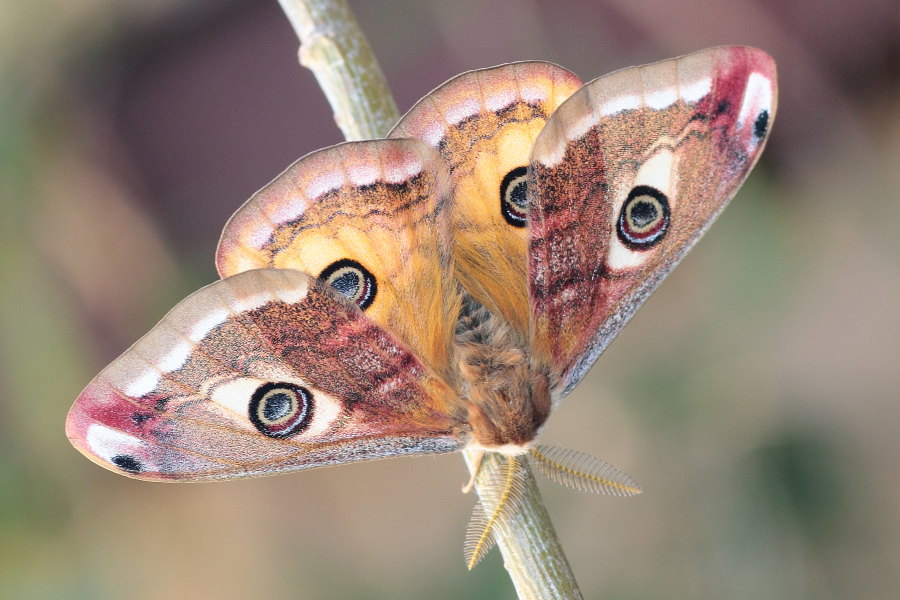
(765, 437)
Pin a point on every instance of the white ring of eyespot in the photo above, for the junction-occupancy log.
(235, 395)
(658, 172)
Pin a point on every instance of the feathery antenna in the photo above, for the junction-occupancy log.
(581, 471)
(509, 483)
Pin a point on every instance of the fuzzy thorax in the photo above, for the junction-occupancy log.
(507, 400)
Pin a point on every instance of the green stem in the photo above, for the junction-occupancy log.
(532, 554)
(335, 49)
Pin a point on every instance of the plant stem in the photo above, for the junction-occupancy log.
(532, 554)
(335, 49)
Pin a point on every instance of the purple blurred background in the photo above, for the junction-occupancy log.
(765, 434)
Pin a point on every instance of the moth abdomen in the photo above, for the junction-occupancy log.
(507, 402)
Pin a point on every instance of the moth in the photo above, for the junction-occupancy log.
(440, 289)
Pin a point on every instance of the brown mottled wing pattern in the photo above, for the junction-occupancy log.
(265, 371)
(484, 124)
(371, 218)
(626, 176)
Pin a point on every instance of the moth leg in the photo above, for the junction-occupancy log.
(476, 467)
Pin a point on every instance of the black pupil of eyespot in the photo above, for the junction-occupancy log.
(280, 409)
(518, 197)
(351, 280)
(644, 218)
(347, 283)
(277, 406)
(643, 213)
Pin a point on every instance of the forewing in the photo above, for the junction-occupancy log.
(625, 178)
(265, 371)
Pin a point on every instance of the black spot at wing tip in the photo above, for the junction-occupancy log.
(127, 463)
(761, 125)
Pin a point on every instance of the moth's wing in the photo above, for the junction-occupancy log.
(626, 176)
(371, 218)
(266, 371)
(484, 124)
